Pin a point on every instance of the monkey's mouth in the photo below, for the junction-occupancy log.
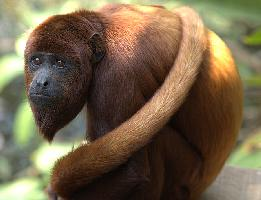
(40, 95)
(42, 100)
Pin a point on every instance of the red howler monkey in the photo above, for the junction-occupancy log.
(163, 95)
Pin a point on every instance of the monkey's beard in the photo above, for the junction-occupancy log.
(51, 119)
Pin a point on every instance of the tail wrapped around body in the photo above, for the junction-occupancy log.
(103, 155)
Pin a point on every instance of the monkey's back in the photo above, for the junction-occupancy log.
(210, 118)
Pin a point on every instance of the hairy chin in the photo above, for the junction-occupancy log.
(47, 135)
(48, 122)
(48, 129)
(51, 120)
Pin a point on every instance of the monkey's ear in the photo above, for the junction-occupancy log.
(97, 46)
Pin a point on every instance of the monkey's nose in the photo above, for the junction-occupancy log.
(43, 83)
(41, 86)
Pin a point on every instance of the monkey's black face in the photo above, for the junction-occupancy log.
(45, 90)
(56, 88)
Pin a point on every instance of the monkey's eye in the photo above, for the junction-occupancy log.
(36, 61)
(60, 64)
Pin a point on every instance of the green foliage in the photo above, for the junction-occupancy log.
(45, 157)
(254, 81)
(5, 170)
(254, 38)
(32, 187)
(249, 153)
(253, 5)
(23, 189)
(11, 66)
(23, 124)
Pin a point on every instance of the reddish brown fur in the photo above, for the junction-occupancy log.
(155, 154)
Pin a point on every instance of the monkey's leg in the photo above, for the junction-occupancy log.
(167, 168)
(183, 165)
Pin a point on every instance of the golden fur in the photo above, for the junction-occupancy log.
(170, 137)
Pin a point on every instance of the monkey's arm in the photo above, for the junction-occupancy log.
(117, 184)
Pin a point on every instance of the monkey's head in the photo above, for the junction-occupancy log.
(59, 58)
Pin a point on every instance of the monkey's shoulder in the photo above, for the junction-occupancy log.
(143, 33)
(115, 8)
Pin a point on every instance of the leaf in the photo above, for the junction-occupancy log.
(5, 168)
(45, 156)
(248, 154)
(11, 66)
(254, 38)
(22, 189)
(254, 81)
(23, 124)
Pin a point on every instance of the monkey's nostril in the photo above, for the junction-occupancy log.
(45, 84)
(42, 84)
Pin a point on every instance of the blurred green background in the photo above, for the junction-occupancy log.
(26, 160)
